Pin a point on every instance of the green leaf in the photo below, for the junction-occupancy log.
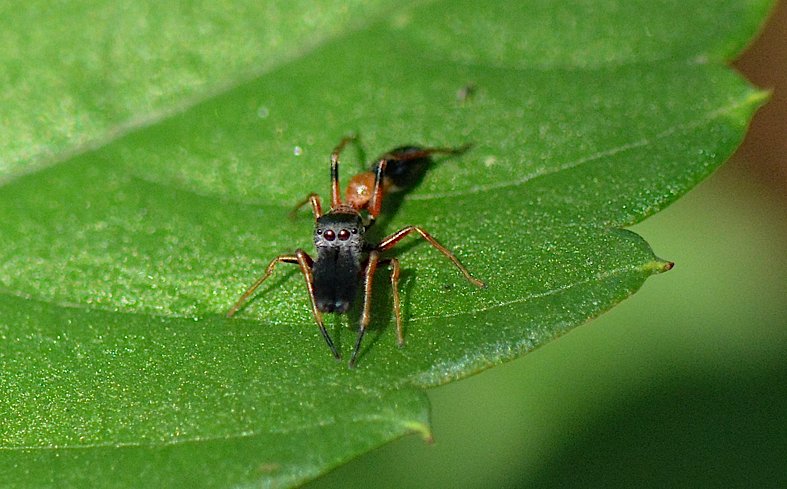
(118, 263)
(79, 73)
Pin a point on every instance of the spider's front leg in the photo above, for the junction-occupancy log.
(371, 267)
(366, 313)
(305, 262)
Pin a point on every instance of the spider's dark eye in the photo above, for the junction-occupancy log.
(329, 235)
(344, 235)
(355, 231)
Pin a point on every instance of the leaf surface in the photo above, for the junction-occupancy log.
(118, 263)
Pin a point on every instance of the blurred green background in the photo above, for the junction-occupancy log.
(682, 385)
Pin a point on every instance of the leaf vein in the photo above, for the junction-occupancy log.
(705, 119)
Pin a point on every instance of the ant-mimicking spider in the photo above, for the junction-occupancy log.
(344, 256)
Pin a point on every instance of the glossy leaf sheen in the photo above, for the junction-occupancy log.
(118, 264)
